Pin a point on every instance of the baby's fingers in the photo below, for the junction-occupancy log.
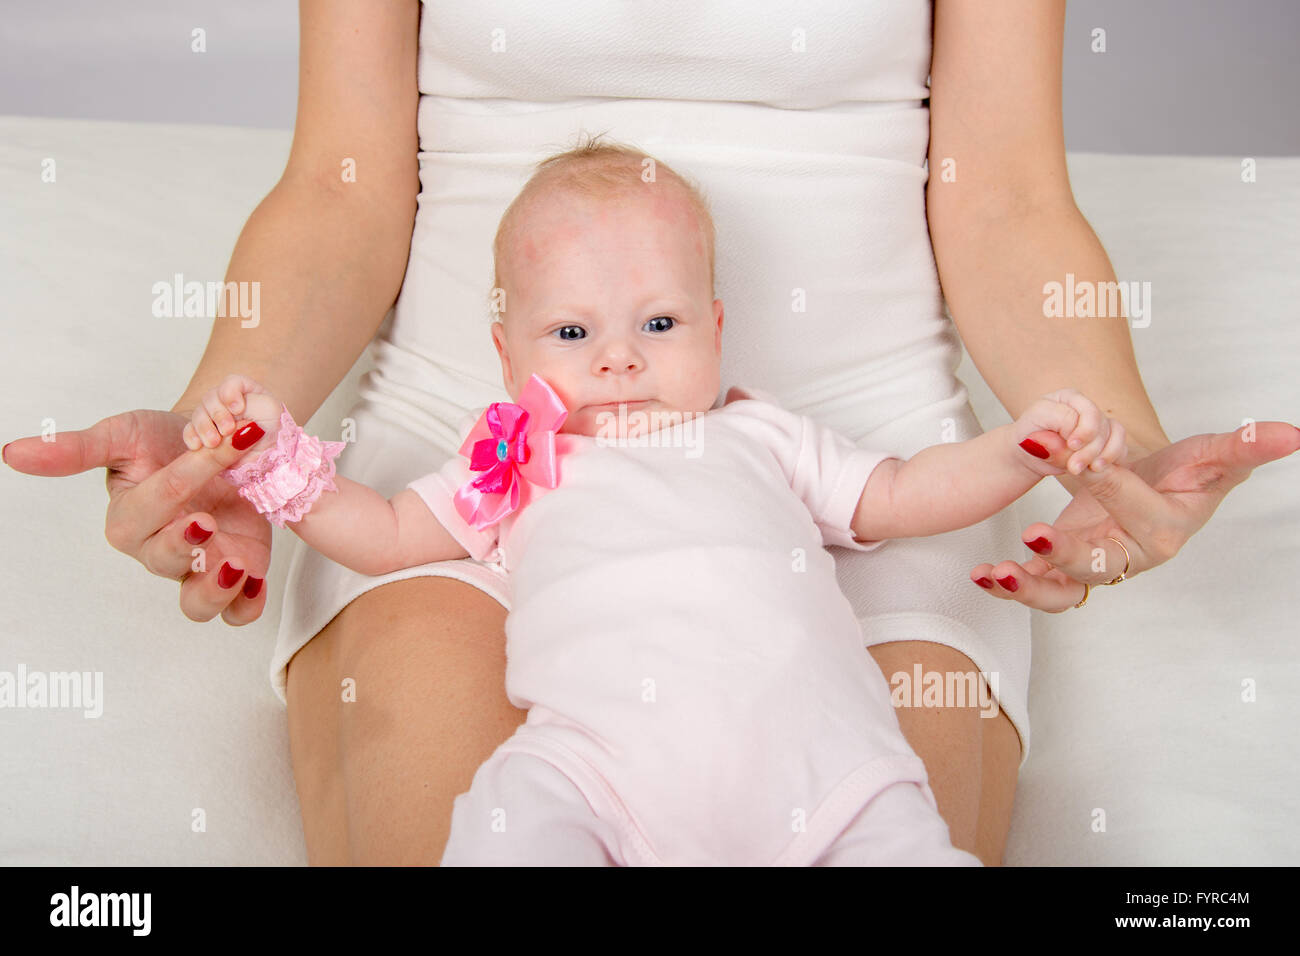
(233, 388)
(202, 430)
(1116, 450)
(1095, 441)
(215, 403)
(1091, 426)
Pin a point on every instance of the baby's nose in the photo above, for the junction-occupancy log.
(621, 365)
(620, 357)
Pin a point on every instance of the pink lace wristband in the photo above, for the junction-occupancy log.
(283, 482)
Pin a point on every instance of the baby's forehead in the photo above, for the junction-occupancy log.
(664, 197)
(544, 231)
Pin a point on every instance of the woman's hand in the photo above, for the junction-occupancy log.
(1153, 505)
(165, 503)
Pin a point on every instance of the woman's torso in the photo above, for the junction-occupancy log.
(807, 127)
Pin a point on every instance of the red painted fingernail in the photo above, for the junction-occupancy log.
(228, 575)
(1009, 583)
(1035, 449)
(984, 582)
(252, 586)
(250, 433)
(1040, 544)
(196, 533)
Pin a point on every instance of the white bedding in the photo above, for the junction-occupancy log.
(1136, 700)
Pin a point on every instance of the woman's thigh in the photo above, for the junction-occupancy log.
(392, 708)
(380, 759)
(972, 761)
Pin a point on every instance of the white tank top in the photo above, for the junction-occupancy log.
(807, 127)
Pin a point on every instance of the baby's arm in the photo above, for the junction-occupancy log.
(362, 530)
(355, 526)
(957, 484)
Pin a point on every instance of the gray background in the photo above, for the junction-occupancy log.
(1193, 77)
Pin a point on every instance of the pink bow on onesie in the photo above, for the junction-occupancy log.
(514, 446)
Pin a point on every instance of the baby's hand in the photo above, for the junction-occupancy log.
(237, 399)
(1087, 438)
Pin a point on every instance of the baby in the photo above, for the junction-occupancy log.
(697, 688)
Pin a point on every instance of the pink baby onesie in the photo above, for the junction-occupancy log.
(677, 634)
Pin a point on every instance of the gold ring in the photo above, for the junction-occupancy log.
(1083, 600)
(1126, 560)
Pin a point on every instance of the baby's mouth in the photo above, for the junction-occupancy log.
(613, 406)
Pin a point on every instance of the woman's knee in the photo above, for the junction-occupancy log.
(371, 637)
(432, 650)
(392, 707)
(1001, 771)
(388, 628)
(965, 754)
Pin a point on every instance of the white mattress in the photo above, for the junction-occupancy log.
(1136, 700)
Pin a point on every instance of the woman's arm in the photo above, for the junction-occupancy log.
(1007, 223)
(329, 255)
(995, 284)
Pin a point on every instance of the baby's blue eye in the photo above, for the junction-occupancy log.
(662, 318)
(565, 338)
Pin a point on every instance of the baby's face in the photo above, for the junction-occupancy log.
(612, 302)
